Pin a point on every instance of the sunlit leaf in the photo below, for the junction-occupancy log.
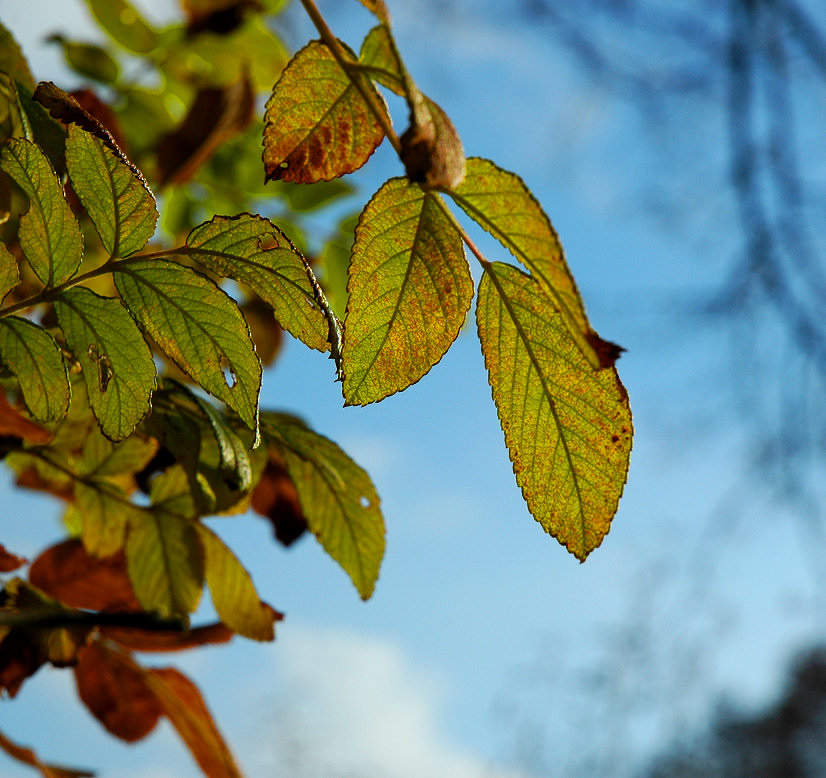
(379, 8)
(49, 233)
(12, 60)
(567, 427)
(409, 291)
(117, 199)
(233, 592)
(124, 23)
(318, 126)
(104, 514)
(198, 326)
(35, 358)
(500, 202)
(9, 275)
(378, 52)
(337, 498)
(253, 250)
(117, 365)
(28, 756)
(129, 456)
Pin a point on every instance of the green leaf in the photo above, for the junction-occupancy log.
(12, 60)
(88, 59)
(198, 326)
(165, 562)
(567, 427)
(9, 274)
(233, 592)
(102, 458)
(117, 365)
(500, 202)
(49, 233)
(104, 514)
(409, 291)
(116, 198)
(253, 250)
(337, 498)
(34, 357)
(317, 124)
(124, 24)
(378, 52)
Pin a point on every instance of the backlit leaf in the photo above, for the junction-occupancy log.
(253, 250)
(409, 291)
(567, 427)
(104, 514)
(500, 202)
(378, 52)
(317, 124)
(233, 592)
(117, 200)
(117, 365)
(379, 8)
(34, 357)
(9, 275)
(125, 24)
(337, 497)
(49, 233)
(12, 60)
(198, 326)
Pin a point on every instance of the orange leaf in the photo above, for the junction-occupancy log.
(20, 657)
(276, 498)
(162, 640)
(9, 561)
(27, 756)
(14, 424)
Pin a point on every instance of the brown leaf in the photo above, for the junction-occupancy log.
(13, 424)
(92, 105)
(266, 332)
(115, 689)
(431, 151)
(276, 498)
(182, 703)
(161, 640)
(20, 657)
(28, 756)
(607, 352)
(9, 561)
(216, 115)
(67, 573)
(220, 17)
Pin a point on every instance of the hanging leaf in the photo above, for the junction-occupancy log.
(379, 54)
(35, 359)
(124, 24)
(409, 291)
(198, 326)
(567, 427)
(318, 126)
(431, 149)
(253, 250)
(117, 200)
(500, 202)
(337, 498)
(9, 274)
(28, 756)
(49, 234)
(117, 365)
(379, 8)
(233, 592)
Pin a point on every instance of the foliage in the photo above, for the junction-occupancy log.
(131, 375)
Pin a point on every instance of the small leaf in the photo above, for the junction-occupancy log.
(88, 59)
(198, 326)
(409, 292)
(117, 365)
(163, 640)
(34, 357)
(9, 561)
(119, 202)
(124, 24)
(233, 592)
(379, 8)
(378, 52)
(317, 124)
(431, 149)
(276, 498)
(253, 250)
(337, 498)
(49, 233)
(9, 274)
(500, 202)
(567, 427)
(28, 756)
(165, 562)
(183, 705)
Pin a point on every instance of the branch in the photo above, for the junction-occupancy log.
(64, 618)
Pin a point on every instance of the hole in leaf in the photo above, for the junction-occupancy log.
(105, 372)
(229, 374)
(364, 501)
(92, 351)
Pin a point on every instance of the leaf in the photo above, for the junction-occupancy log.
(164, 640)
(9, 274)
(49, 234)
(105, 513)
(318, 126)
(117, 200)
(337, 498)
(28, 756)
(124, 24)
(379, 8)
(12, 60)
(409, 291)
(183, 705)
(253, 250)
(117, 365)
(36, 360)
(500, 202)
(567, 427)
(233, 592)
(379, 54)
(9, 561)
(114, 688)
(14, 424)
(128, 457)
(198, 326)
(165, 562)
(88, 59)
(276, 498)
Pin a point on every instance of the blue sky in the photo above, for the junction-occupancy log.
(482, 636)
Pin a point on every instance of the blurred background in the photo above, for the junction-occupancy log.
(679, 151)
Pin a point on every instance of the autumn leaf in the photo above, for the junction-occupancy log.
(136, 639)
(9, 561)
(9, 274)
(28, 756)
(15, 424)
(379, 55)
(567, 427)
(276, 498)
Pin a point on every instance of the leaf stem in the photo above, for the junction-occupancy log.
(483, 261)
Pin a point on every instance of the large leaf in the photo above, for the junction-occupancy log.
(198, 326)
(116, 198)
(49, 233)
(233, 592)
(318, 124)
(117, 365)
(500, 202)
(253, 250)
(567, 426)
(409, 291)
(34, 357)
(337, 498)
